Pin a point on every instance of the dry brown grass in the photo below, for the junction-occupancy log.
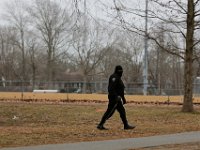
(86, 97)
(37, 124)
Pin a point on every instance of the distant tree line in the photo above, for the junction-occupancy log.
(42, 39)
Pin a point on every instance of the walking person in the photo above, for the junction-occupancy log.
(116, 99)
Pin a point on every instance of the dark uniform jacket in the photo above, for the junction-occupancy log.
(116, 87)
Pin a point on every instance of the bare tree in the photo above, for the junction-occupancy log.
(10, 55)
(165, 70)
(181, 20)
(184, 25)
(33, 46)
(3, 41)
(87, 47)
(5, 51)
(18, 19)
(127, 50)
(52, 21)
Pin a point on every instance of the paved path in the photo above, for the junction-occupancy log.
(121, 144)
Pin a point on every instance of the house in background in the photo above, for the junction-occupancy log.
(69, 82)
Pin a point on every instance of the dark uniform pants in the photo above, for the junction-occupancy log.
(114, 104)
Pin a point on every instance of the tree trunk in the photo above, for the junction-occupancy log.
(188, 72)
(188, 86)
(23, 54)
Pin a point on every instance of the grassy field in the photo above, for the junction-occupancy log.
(66, 97)
(24, 124)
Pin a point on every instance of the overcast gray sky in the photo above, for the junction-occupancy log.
(100, 9)
(1, 5)
(95, 6)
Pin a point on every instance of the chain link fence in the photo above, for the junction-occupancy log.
(89, 87)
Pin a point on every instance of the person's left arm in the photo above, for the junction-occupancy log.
(123, 98)
(122, 92)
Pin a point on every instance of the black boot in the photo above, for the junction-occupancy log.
(101, 127)
(128, 127)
